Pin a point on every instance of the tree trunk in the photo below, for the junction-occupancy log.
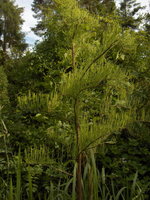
(73, 56)
(79, 188)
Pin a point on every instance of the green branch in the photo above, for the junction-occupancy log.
(98, 57)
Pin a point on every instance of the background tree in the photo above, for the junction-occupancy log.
(147, 23)
(129, 11)
(40, 8)
(11, 37)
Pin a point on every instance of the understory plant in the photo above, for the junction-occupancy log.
(97, 185)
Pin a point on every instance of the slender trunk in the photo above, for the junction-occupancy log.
(73, 56)
(79, 188)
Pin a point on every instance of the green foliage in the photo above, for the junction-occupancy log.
(4, 99)
(18, 176)
(123, 158)
(37, 156)
(79, 104)
(30, 184)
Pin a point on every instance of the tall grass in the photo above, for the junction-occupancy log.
(96, 185)
(30, 190)
(18, 176)
(10, 197)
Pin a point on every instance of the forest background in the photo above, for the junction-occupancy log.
(74, 110)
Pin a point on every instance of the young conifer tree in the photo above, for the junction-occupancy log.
(92, 79)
